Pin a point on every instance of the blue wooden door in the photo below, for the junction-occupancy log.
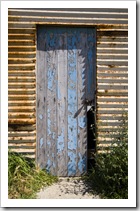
(65, 80)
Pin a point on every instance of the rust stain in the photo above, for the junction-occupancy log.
(111, 66)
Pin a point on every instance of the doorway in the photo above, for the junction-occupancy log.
(66, 82)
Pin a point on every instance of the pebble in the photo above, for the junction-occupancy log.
(67, 188)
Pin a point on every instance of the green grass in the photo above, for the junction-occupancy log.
(109, 177)
(24, 179)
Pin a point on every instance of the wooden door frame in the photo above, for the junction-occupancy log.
(95, 79)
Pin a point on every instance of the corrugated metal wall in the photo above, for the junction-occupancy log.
(112, 69)
(22, 90)
(112, 84)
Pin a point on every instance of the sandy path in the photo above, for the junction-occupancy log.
(67, 188)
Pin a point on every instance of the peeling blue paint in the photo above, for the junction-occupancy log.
(82, 166)
(48, 143)
(53, 135)
(48, 113)
(57, 139)
(54, 165)
(60, 142)
(91, 66)
(80, 163)
(48, 165)
(72, 102)
(49, 122)
(52, 41)
(49, 127)
(71, 163)
(82, 121)
(40, 116)
(41, 141)
(72, 145)
(51, 79)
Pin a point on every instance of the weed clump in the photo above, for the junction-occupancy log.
(109, 177)
(24, 179)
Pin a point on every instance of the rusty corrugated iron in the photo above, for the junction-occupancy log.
(21, 91)
(112, 84)
(112, 68)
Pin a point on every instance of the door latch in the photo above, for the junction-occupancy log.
(89, 102)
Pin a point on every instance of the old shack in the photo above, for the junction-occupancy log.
(62, 62)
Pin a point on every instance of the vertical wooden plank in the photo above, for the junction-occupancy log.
(51, 72)
(41, 98)
(72, 102)
(82, 118)
(62, 102)
(91, 64)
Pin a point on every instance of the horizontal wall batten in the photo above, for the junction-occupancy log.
(12, 79)
(112, 106)
(21, 127)
(114, 51)
(110, 38)
(116, 117)
(110, 81)
(21, 97)
(112, 99)
(113, 75)
(107, 93)
(111, 111)
(24, 73)
(119, 57)
(114, 87)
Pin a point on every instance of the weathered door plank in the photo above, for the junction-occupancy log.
(81, 93)
(62, 102)
(41, 100)
(72, 102)
(51, 72)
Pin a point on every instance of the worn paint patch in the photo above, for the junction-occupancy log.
(48, 165)
(54, 165)
(72, 145)
(49, 127)
(49, 122)
(41, 141)
(40, 116)
(53, 135)
(71, 163)
(60, 142)
(82, 163)
(48, 143)
(72, 101)
(50, 79)
(82, 121)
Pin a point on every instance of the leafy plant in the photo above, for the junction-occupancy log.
(109, 177)
(24, 179)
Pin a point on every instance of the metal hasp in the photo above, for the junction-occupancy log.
(66, 77)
